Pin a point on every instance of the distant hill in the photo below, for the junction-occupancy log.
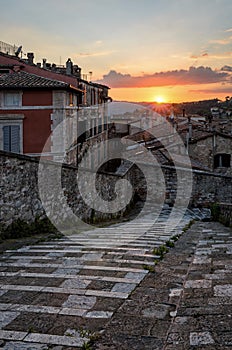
(202, 107)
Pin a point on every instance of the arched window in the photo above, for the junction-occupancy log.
(222, 160)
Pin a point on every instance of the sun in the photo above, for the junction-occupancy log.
(159, 99)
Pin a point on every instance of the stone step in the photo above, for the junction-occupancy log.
(102, 267)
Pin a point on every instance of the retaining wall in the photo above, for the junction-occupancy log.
(20, 197)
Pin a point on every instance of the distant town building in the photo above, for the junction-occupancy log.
(208, 145)
(36, 98)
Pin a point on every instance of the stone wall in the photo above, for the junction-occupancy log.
(21, 198)
(204, 150)
(206, 188)
(225, 215)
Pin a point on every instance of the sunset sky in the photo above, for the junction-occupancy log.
(175, 50)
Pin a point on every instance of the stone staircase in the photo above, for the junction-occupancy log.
(57, 294)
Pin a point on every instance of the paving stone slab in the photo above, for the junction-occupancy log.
(55, 339)
(12, 335)
(131, 342)
(107, 304)
(198, 284)
(24, 346)
(80, 302)
(200, 338)
(7, 317)
(77, 283)
(223, 290)
(101, 285)
(96, 287)
(98, 314)
(158, 311)
(123, 287)
(32, 322)
(2, 292)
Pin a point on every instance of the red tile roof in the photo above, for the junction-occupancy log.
(23, 80)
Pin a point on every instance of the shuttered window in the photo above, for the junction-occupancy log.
(12, 99)
(11, 138)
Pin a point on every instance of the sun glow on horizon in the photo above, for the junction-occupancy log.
(160, 99)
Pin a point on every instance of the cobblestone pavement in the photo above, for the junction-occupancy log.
(186, 303)
(56, 295)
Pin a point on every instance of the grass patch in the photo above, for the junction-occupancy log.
(187, 227)
(175, 238)
(161, 251)
(92, 338)
(149, 268)
(170, 244)
(86, 346)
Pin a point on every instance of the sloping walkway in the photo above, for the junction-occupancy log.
(186, 303)
(56, 295)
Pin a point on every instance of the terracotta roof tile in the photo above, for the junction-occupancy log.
(28, 80)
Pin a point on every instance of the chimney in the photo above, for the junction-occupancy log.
(30, 58)
(44, 63)
(183, 113)
(77, 71)
(69, 67)
(53, 67)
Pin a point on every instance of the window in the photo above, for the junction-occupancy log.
(70, 100)
(11, 138)
(222, 160)
(99, 128)
(105, 123)
(12, 99)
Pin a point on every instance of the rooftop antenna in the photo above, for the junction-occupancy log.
(19, 50)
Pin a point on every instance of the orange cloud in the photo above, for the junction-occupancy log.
(192, 76)
(226, 69)
(217, 56)
(214, 91)
(94, 54)
(204, 55)
(221, 41)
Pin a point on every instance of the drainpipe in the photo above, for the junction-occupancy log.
(190, 131)
(214, 145)
(187, 143)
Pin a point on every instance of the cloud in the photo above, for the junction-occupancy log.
(214, 91)
(224, 55)
(216, 56)
(203, 55)
(98, 42)
(221, 41)
(228, 30)
(226, 69)
(199, 75)
(94, 54)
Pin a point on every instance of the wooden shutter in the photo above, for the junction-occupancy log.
(11, 138)
(15, 138)
(6, 138)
